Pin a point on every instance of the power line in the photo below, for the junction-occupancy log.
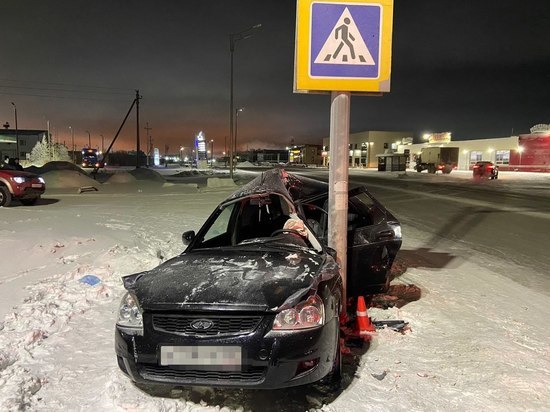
(62, 97)
(60, 90)
(66, 84)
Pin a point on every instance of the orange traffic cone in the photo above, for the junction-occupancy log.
(364, 325)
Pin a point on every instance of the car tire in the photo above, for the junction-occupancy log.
(5, 196)
(334, 377)
(30, 202)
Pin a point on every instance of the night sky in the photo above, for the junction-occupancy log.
(478, 69)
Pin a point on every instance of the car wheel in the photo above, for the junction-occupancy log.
(29, 202)
(334, 377)
(5, 196)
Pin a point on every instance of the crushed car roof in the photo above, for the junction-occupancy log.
(281, 182)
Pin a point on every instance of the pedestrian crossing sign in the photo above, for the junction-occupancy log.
(343, 46)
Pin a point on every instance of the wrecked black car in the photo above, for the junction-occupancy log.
(254, 300)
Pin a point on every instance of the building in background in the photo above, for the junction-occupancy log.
(526, 152)
(364, 146)
(27, 140)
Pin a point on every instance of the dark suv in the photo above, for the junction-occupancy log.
(485, 169)
(23, 186)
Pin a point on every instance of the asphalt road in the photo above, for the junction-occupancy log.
(504, 222)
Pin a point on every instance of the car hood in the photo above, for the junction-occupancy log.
(243, 279)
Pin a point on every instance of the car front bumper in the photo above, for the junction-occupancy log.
(270, 360)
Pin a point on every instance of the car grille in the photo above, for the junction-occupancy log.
(221, 325)
(167, 374)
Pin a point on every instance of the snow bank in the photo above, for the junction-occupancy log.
(216, 182)
(66, 179)
(122, 177)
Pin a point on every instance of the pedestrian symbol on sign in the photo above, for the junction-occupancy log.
(345, 45)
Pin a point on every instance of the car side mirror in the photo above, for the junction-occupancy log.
(187, 237)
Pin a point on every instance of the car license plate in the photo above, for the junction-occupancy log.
(220, 356)
(36, 185)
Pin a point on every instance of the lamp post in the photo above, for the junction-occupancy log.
(16, 132)
(212, 152)
(233, 39)
(102, 144)
(237, 111)
(89, 140)
(72, 141)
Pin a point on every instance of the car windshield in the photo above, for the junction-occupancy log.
(257, 220)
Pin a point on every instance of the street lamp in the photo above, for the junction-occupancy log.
(16, 132)
(72, 141)
(102, 144)
(237, 111)
(89, 140)
(233, 39)
(212, 152)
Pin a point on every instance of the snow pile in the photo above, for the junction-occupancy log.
(216, 182)
(122, 177)
(66, 179)
(245, 164)
(147, 174)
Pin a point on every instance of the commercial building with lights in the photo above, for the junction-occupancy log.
(526, 152)
(365, 146)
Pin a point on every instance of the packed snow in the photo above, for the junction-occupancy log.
(476, 340)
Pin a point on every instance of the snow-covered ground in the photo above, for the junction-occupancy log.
(477, 340)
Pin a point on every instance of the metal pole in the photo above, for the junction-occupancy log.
(231, 50)
(236, 126)
(338, 180)
(137, 129)
(233, 38)
(72, 141)
(16, 132)
(89, 140)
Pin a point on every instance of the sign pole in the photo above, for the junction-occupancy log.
(338, 181)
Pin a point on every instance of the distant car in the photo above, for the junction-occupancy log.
(485, 169)
(253, 302)
(23, 186)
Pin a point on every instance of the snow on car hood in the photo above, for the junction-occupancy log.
(246, 278)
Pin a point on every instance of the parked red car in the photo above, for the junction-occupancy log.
(24, 186)
(485, 169)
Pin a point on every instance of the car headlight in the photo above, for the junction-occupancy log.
(18, 179)
(305, 315)
(396, 227)
(41, 180)
(129, 316)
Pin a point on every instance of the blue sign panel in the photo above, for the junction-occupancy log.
(345, 40)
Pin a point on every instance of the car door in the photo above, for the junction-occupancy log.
(373, 237)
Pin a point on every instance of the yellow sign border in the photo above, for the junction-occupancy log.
(304, 83)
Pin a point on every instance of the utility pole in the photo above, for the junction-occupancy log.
(149, 140)
(138, 97)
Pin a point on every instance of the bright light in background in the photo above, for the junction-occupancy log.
(520, 149)
(465, 151)
(426, 136)
(491, 150)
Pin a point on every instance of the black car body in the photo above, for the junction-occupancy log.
(246, 305)
(485, 169)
